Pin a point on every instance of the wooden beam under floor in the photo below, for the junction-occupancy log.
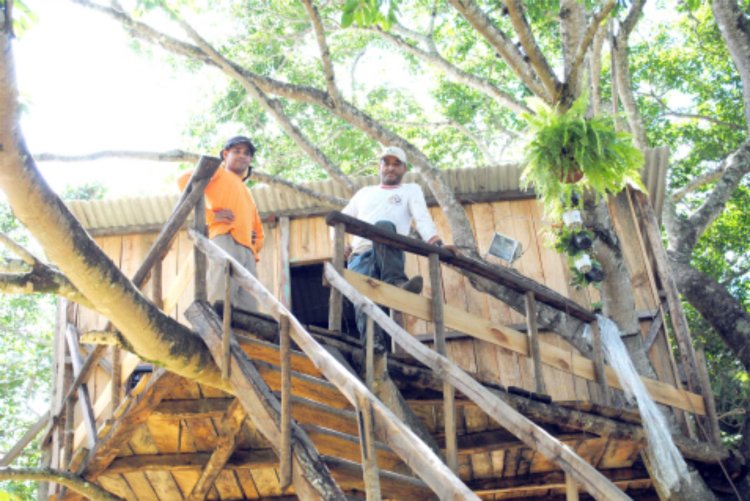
(226, 443)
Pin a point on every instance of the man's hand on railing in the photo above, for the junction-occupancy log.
(223, 215)
(347, 252)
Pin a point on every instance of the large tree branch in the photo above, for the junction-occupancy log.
(325, 54)
(573, 70)
(529, 44)
(504, 46)
(187, 156)
(720, 309)
(155, 156)
(88, 489)
(702, 180)
(451, 71)
(734, 28)
(735, 167)
(32, 275)
(622, 74)
(151, 334)
(273, 107)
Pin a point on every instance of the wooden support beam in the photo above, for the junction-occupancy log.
(531, 434)
(335, 305)
(480, 328)
(650, 225)
(84, 399)
(116, 388)
(399, 437)
(193, 461)
(543, 482)
(534, 350)
(157, 293)
(370, 355)
(139, 407)
(311, 479)
(192, 408)
(225, 446)
(285, 453)
(449, 395)
(27, 437)
(653, 330)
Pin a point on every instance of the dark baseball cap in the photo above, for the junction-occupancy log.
(239, 140)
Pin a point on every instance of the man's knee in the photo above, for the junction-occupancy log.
(386, 225)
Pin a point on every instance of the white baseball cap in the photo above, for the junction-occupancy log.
(394, 151)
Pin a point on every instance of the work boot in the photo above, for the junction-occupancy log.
(413, 285)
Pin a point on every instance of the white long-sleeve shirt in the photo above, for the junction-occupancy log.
(398, 204)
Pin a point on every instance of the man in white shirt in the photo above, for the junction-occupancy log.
(391, 206)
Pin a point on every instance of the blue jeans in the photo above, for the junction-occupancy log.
(383, 263)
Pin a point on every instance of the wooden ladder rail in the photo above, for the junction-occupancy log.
(399, 437)
(523, 428)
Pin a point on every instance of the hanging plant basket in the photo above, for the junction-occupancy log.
(568, 151)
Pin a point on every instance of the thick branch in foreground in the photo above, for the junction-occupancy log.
(153, 335)
(88, 489)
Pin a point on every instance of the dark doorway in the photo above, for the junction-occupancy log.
(310, 299)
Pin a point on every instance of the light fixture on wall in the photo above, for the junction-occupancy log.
(505, 248)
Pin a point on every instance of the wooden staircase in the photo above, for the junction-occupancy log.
(253, 383)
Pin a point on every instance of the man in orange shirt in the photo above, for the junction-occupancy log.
(233, 220)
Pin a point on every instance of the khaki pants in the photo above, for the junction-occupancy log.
(215, 284)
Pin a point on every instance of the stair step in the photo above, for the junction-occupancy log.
(303, 385)
(341, 445)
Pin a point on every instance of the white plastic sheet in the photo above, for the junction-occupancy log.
(667, 462)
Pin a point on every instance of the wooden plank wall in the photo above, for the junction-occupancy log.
(310, 243)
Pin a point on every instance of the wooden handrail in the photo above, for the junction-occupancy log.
(504, 276)
(510, 419)
(190, 196)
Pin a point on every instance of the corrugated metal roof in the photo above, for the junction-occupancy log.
(140, 214)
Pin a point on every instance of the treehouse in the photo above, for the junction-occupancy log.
(475, 396)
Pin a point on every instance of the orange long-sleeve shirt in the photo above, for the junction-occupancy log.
(227, 191)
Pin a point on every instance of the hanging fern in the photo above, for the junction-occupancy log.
(564, 144)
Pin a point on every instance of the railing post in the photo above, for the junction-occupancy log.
(367, 447)
(711, 420)
(449, 394)
(534, 351)
(336, 304)
(227, 321)
(571, 488)
(370, 354)
(599, 370)
(286, 404)
(200, 259)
